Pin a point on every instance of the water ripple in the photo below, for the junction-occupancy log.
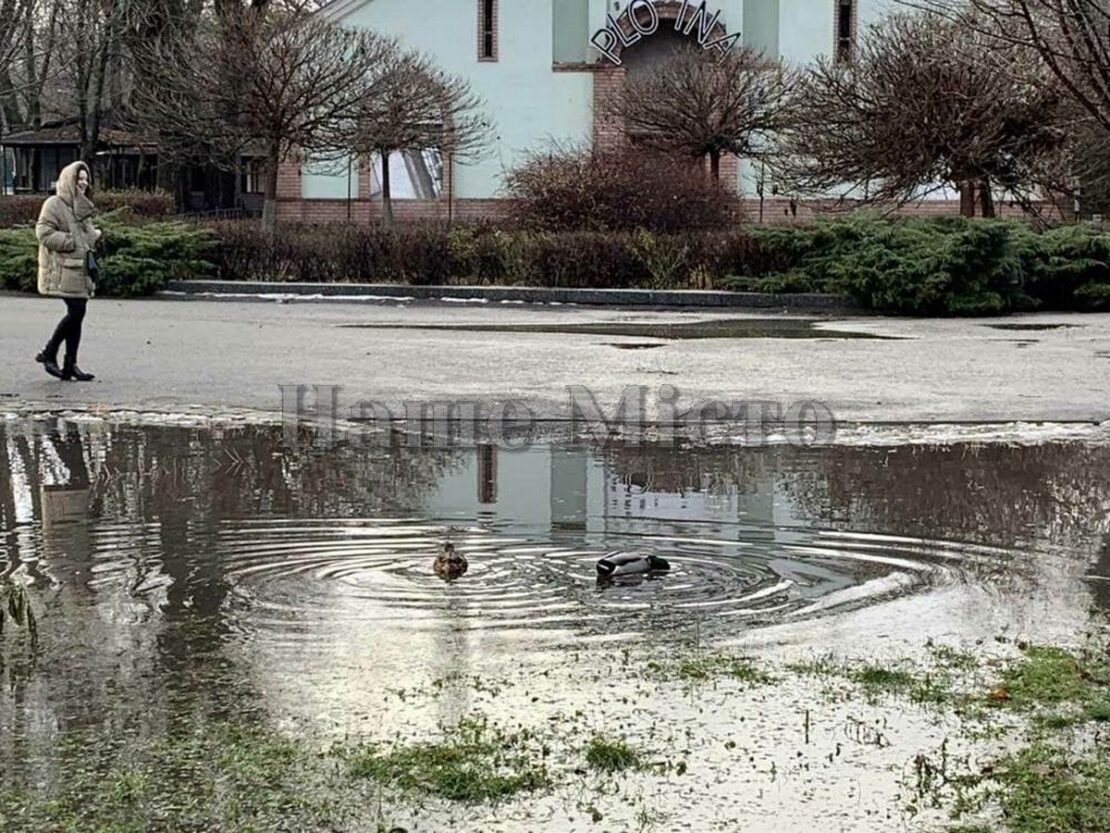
(286, 576)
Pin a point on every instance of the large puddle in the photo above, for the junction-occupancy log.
(714, 328)
(179, 566)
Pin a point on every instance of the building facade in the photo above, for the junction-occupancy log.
(544, 69)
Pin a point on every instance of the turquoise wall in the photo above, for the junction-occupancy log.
(530, 104)
(805, 29)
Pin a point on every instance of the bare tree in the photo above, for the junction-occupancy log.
(706, 103)
(28, 59)
(927, 103)
(255, 79)
(13, 14)
(1071, 37)
(90, 35)
(413, 105)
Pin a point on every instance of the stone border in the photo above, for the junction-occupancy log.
(799, 301)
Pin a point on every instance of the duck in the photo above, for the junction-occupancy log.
(449, 564)
(618, 563)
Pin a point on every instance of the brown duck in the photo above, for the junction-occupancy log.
(450, 565)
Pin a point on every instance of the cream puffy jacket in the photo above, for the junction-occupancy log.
(66, 234)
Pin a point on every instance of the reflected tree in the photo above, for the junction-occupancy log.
(994, 494)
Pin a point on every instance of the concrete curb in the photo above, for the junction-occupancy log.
(799, 301)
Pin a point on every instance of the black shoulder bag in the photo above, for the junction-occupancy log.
(92, 266)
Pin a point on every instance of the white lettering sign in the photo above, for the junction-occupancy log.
(641, 19)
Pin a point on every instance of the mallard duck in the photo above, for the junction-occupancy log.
(449, 564)
(619, 563)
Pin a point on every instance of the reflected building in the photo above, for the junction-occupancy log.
(595, 492)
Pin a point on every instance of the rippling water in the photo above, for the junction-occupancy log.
(275, 542)
(221, 565)
(282, 575)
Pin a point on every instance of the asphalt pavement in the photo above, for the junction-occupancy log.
(169, 355)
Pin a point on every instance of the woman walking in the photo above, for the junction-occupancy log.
(67, 239)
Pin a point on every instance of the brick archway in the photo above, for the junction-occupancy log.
(609, 78)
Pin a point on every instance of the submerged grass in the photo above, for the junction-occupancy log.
(703, 667)
(1044, 676)
(934, 685)
(231, 777)
(1046, 789)
(1060, 688)
(611, 755)
(1059, 780)
(211, 777)
(880, 677)
(474, 762)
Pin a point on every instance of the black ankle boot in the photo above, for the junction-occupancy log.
(50, 364)
(71, 372)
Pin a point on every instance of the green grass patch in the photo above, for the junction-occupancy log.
(700, 667)
(879, 677)
(611, 755)
(928, 687)
(474, 762)
(1099, 710)
(1044, 676)
(210, 777)
(1047, 790)
(953, 659)
(1073, 686)
(825, 665)
(1060, 781)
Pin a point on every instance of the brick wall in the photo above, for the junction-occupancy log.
(288, 192)
(365, 211)
(608, 131)
(775, 210)
(780, 210)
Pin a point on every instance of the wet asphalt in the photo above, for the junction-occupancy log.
(168, 354)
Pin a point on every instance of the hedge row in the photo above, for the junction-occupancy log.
(135, 259)
(23, 209)
(935, 266)
(919, 266)
(436, 255)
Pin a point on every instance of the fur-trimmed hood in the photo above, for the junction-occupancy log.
(66, 189)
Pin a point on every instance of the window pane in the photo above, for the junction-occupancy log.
(413, 174)
(486, 28)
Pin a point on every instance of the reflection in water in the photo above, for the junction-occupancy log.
(1100, 576)
(185, 571)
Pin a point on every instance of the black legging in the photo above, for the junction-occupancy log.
(69, 331)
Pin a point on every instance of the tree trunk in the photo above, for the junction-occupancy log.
(269, 205)
(715, 165)
(99, 81)
(986, 200)
(10, 110)
(967, 197)
(34, 88)
(387, 196)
